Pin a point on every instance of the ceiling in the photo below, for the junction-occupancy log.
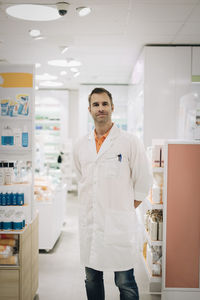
(107, 42)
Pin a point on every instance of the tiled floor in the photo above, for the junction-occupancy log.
(60, 274)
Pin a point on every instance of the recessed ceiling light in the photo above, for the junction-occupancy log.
(74, 63)
(62, 73)
(33, 12)
(83, 11)
(46, 76)
(51, 83)
(58, 62)
(34, 32)
(76, 74)
(64, 49)
(64, 63)
(37, 65)
(74, 69)
(39, 38)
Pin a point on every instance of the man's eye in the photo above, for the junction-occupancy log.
(105, 103)
(95, 104)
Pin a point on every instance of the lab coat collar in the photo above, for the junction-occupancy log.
(113, 134)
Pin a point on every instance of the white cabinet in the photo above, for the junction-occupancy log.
(51, 218)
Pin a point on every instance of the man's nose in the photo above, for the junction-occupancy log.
(101, 107)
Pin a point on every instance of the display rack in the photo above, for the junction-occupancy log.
(19, 278)
(149, 206)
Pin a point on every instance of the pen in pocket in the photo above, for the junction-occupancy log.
(119, 157)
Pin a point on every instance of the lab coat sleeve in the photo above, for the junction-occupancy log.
(141, 170)
(77, 164)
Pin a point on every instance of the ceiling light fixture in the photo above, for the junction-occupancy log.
(63, 49)
(76, 74)
(34, 32)
(39, 38)
(74, 70)
(46, 76)
(62, 73)
(64, 63)
(33, 12)
(74, 63)
(58, 62)
(83, 11)
(37, 65)
(51, 83)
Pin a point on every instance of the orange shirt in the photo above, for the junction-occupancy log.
(99, 141)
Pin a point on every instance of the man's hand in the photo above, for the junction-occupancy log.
(137, 203)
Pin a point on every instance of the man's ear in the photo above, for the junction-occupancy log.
(89, 108)
(112, 107)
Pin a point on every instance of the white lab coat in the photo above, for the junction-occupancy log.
(108, 184)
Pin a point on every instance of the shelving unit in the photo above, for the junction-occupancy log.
(152, 279)
(155, 282)
(19, 281)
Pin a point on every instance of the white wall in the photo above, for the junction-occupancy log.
(73, 123)
(167, 78)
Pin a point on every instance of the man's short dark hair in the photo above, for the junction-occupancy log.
(100, 90)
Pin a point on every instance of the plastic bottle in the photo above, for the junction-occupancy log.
(11, 171)
(1, 174)
(18, 219)
(7, 173)
(14, 198)
(20, 198)
(3, 199)
(7, 136)
(17, 137)
(25, 137)
(7, 220)
(8, 199)
(0, 199)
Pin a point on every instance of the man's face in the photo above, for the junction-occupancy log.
(101, 108)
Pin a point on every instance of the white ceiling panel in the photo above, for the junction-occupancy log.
(190, 29)
(161, 12)
(107, 42)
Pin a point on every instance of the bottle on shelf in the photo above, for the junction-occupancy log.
(25, 137)
(17, 137)
(1, 174)
(7, 138)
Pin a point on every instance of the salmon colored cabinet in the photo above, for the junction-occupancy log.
(181, 250)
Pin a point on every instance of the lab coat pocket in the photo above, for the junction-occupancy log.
(120, 228)
(111, 167)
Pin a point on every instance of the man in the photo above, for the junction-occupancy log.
(112, 169)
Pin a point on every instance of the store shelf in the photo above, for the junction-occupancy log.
(9, 267)
(155, 279)
(152, 243)
(47, 121)
(13, 231)
(152, 205)
(158, 170)
(8, 118)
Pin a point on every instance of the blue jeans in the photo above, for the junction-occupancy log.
(124, 280)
